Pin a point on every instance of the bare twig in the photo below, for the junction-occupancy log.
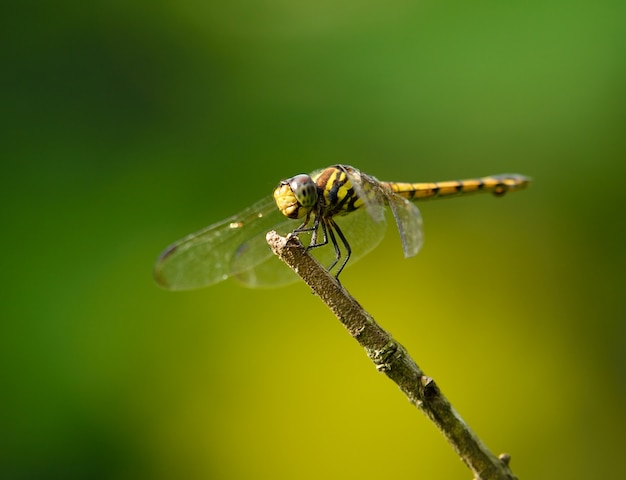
(393, 360)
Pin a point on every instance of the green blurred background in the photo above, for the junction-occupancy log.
(126, 125)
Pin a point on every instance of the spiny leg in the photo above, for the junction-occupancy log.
(303, 226)
(333, 226)
(314, 229)
(328, 227)
(331, 234)
(317, 222)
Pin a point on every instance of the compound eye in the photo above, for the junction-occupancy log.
(304, 189)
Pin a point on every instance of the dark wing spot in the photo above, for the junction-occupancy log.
(158, 271)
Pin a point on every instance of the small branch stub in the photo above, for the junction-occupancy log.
(391, 358)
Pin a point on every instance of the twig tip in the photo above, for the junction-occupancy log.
(505, 458)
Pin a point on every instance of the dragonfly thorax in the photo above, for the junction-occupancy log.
(296, 196)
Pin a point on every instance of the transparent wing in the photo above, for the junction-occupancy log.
(254, 264)
(407, 216)
(362, 232)
(409, 222)
(215, 252)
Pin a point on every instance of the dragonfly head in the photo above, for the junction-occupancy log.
(296, 196)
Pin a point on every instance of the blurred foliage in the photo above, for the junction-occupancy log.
(128, 125)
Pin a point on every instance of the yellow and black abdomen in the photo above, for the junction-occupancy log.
(496, 184)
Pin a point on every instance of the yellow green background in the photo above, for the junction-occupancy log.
(126, 125)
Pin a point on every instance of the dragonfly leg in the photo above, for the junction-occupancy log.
(314, 229)
(303, 226)
(333, 239)
(314, 243)
(329, 228)
(335, 227)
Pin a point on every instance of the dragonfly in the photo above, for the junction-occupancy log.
(338, 211)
